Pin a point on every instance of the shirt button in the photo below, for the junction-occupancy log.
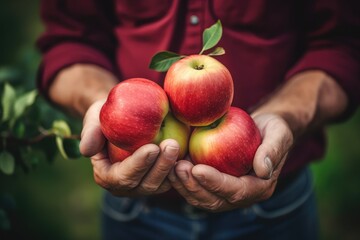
(194, 20)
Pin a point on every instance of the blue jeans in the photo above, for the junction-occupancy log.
(289, 214)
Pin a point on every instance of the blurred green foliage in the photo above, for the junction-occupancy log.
(337, 182)
(47, 197)
(59, 199)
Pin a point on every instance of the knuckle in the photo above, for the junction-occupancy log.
(149, 187)
(217, 187)
(193, 190)
(164, 187)
(276, 151)
(287, 139)
(126, 183)
(193, 202)
(163, 168)
(139, 168)
(213, 206)
(99, 181)
(239, 196)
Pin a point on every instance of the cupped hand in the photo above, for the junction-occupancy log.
(207, 188)
(143, 173)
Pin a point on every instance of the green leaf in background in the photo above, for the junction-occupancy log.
(21, 104)
(49, 148)
(9, 74)
(61, 128)
(217, 52)
(24, 101)
(162, 61)
(8, 101)
(60, 146)
(32, 157)
(211, 36)
(7, 163)
(71, 147)
(19, 129)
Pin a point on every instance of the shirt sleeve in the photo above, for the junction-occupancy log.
(333, 44)
(75, 32)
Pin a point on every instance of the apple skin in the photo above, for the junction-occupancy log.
(117, 154)
(228, 145)
(171, 128)
(174, 129)
(133, 113)
(200, 89)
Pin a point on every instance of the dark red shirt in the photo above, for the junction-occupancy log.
(266, 42)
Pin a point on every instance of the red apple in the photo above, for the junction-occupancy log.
(116, 154)
(170, 128)
(133, 113)
(228, 144)
(200, 89)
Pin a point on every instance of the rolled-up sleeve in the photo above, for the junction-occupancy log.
(75, 32)
(333, 44)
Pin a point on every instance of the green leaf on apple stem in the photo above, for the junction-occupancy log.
(211, 36)
(217, 52)
(162, 61)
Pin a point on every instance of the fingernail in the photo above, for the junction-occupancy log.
(171, 152)
(269, 166)
(183, 175)
(152, 156)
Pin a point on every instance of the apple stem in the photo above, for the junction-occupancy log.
(199, 67)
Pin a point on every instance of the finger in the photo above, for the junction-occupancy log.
(101, 172)
(164, 187)
(101, 165)
(240, 191)
(169, 152)
(92, 138)
(276, 142)
(128, 173)
(191, 190)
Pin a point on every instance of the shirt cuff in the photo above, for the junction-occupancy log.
(64, 55)
(339, 65)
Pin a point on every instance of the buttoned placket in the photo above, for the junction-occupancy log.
(194, 26)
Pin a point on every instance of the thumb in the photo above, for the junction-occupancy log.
(92, 138)
(276, 142)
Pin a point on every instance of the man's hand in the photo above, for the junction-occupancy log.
(143, 173)
(205, 187)
(92, 83)
(307, 100)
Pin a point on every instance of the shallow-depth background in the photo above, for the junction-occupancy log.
(59, 199)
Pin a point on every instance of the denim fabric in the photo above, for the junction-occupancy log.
(288, 214)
